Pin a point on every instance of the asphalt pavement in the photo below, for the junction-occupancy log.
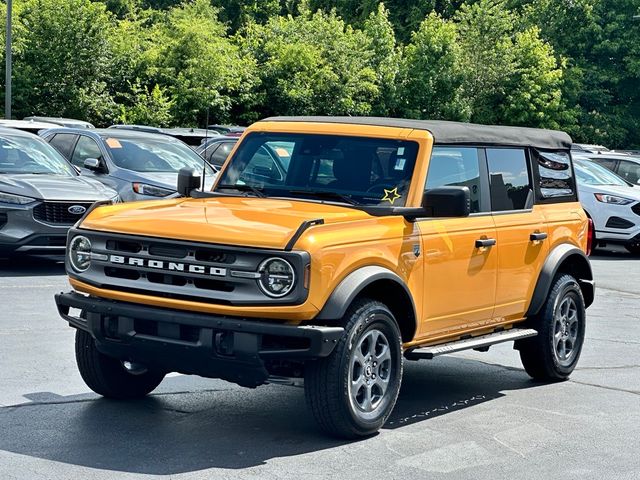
(466, 416)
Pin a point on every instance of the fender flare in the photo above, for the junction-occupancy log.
(550, 268)
(353, 284)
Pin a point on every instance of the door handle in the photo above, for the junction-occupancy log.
(537, 236)
(485, 242)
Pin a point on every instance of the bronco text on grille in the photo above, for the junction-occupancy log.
(169, 266)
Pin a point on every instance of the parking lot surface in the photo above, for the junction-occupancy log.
(471, 415)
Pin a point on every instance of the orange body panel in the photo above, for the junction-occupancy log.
(456, 287)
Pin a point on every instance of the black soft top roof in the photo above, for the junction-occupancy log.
(456, 133)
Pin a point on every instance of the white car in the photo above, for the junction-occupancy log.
(611, 202)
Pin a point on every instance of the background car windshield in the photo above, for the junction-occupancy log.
(589, 173)
(26, 155)
(153, 155)
(365, 171)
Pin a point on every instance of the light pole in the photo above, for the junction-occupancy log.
(7, 91)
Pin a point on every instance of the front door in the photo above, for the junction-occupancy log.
(460, 257)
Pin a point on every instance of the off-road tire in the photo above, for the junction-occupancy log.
(540, 354)
(107, 376)
(328, 381)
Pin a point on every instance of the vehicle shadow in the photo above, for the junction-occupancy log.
(30, 267)
(613, 252)
(234, 428)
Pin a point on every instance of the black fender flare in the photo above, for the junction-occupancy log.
(353, 284)
(581, 268)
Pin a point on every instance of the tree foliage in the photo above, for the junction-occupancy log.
(568, 64)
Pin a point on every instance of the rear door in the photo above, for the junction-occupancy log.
(460, 275)
(521, 230)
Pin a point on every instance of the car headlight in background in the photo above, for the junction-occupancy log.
(80, 253)
(613, 199)
(15, 199)
(277, 277)
(144, 189)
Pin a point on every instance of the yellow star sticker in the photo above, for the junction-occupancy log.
(391, 195)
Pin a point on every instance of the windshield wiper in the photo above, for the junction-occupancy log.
(327, 195)
(244, 188)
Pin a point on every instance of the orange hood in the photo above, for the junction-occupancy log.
(248, 221)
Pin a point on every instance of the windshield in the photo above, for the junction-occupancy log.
(28, 155)
(351, 170)
(153, 155)
(589, 173)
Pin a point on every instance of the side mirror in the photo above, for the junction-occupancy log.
(93, 164)
(187, 181)
(447, 202)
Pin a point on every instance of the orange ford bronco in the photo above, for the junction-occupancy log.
(328, 252)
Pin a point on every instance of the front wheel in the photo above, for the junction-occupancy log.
(108, 376)
(554, 352)
(352, 392)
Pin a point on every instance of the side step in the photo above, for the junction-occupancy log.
(482, 342)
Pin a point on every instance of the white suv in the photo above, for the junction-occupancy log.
(611, 202)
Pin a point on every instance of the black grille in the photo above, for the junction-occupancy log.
(58, 212)
(617, 222)
(3, 219)
(636, 209)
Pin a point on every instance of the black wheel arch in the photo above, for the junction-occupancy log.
(378, 283)
(564, 258)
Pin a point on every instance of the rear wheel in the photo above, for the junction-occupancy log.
(111, 377)
(554, 352)
(352, 392)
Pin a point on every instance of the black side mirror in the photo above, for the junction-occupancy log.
(187, 181)
(92, 164)
(447, 202)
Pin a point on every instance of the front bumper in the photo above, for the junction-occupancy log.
(21, 233)
(233, 349)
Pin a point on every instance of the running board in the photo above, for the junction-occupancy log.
(482, 342)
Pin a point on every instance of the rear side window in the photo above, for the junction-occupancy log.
(457, 167)
(64, 142)
(554, 168)
(511, 187)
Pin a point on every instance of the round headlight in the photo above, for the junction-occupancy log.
(80, 253)
(277, 277)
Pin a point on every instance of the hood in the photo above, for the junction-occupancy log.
(246, 221)
(55, 187)
(621, 191)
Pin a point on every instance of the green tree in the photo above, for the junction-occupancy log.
(147, 107)
(385, 60)
(312, 64)
(62, 59)
(198, 65)
(432, 73)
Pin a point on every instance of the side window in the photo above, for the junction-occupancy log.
(630, 171)
(606, 163)
(85, 148)
(554, 172)
(63, 142)
(220, 154)
(457, 166)
(509, 179)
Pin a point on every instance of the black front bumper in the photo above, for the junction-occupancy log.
(234, 349)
